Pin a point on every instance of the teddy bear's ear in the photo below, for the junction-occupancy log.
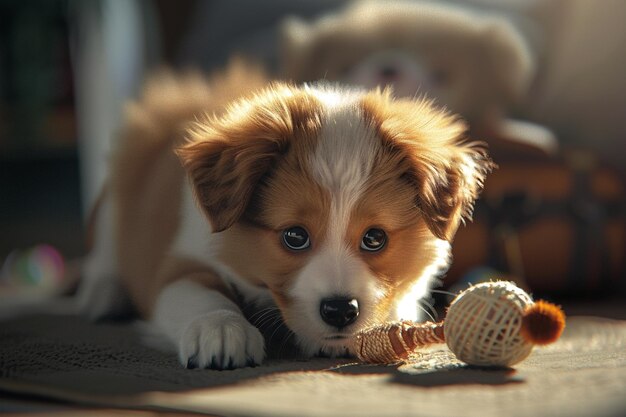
(295, 39)
(509, 56)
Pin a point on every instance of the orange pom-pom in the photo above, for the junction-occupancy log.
(542, 323)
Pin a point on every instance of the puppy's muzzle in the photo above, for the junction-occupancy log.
(339, 312)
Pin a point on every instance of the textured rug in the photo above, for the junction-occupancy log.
(65, 358)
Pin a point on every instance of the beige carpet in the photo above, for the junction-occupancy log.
(65, 358)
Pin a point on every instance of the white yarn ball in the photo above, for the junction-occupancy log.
(482, 326)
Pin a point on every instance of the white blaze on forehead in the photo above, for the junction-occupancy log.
(342, 164)
(344, 158)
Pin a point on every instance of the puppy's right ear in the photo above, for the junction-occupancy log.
(226, 157)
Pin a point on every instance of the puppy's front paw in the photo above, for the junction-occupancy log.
(221, 340)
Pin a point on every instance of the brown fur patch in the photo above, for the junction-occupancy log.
(447, 171)
(273, 266)
(227, 157)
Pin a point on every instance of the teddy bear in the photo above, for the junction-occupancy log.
(475, 64)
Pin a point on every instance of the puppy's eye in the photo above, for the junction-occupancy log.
(296, 238)
(373, 240)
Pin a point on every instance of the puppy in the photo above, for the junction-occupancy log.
(335, 207)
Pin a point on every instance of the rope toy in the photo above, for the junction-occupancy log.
(489, 324)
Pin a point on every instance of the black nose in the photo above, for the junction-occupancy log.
(339, 312)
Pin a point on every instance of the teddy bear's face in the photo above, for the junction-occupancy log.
(423, 71)
(409, 75)
(468, 63)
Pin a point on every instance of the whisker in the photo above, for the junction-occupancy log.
(290, 334)
(270, 321)
(427, 312)
(431, 308)
(268, 325)
(445, 292)
(263, 315)
(278, 324)
(322, 350)
(262, 311)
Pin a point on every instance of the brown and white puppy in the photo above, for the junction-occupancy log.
(336, 206)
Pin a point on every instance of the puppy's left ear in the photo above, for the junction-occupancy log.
(449, 188)
(447, 172)
(227, 156)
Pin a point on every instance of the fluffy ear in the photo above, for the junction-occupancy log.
(295, 37)
(226, 157)
(509, 58)
(447, 172)
(448, 191)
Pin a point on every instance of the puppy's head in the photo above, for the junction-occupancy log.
(341, 203)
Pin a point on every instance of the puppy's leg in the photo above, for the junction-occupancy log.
(100, 294)
(209, 329)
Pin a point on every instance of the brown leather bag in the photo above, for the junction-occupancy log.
(556, 224)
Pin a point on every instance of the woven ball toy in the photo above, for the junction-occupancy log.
(489, 324)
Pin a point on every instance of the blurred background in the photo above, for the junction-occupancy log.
(542, 81)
